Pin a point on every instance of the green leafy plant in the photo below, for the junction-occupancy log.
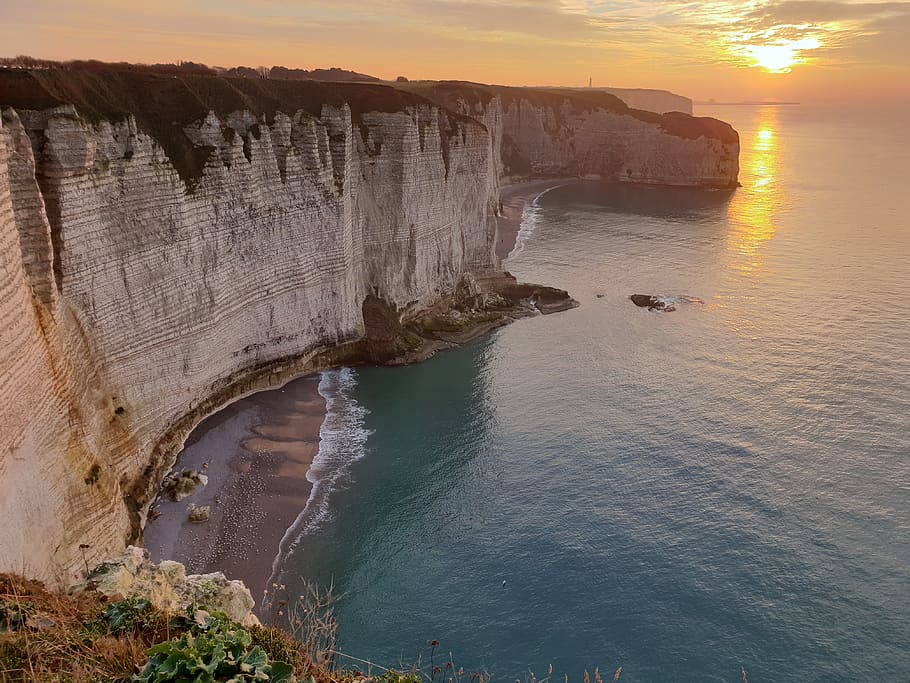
(216, 649)
(129, 614)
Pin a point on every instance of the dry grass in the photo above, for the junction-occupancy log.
(48, 636)
(310, 630)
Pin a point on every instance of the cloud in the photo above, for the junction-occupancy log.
(820, 11)
(804, 29)
(688, 44)
(545, 20)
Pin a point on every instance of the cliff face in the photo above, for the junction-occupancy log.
(166, 241)
(591, 133)
(128, 301)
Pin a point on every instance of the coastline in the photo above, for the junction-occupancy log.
(512, 199)
(257, 449)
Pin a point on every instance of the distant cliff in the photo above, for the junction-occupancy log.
(168, 243)
(658, 101)
(646, 99)
(559, 132)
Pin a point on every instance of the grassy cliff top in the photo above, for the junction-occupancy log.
(160, 99)
(163, 104)
(183, 99)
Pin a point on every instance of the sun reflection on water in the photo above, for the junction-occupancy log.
(751, 211)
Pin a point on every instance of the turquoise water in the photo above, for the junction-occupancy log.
(684, 494)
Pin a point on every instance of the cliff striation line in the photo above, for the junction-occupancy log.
(169, 243)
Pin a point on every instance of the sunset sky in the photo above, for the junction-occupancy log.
(809, 50)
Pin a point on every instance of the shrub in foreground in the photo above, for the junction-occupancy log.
(50, 637)
(215, 649)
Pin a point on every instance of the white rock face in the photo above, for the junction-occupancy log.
(168, 587)
(567, 141)
(133, 304)
(128, 302)
(55, 429)
(588, 133)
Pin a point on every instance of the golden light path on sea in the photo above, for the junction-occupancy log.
(752, 208)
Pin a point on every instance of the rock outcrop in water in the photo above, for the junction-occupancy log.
(168, 244)
(652, 303)
(666, 304)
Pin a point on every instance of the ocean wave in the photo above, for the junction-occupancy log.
(530, 217)
(672, 300)
(342, 441)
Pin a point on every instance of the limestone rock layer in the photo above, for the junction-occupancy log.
(167, 243)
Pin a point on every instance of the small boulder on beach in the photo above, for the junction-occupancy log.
(179, 486)
(200, 513)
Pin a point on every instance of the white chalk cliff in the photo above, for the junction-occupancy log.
(153, 267)
(591, 133)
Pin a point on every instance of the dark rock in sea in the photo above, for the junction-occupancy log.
(642, 300)
(652, 303)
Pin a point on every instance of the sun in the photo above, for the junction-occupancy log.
(776, 59)
(779, 58)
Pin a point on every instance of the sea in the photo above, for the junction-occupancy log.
(720, 492)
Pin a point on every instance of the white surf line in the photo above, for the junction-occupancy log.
(530, 214)
(342, 441)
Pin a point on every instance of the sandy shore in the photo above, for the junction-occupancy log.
(256, 453)
(513, 199)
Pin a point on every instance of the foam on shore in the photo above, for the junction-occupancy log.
(342, 441)
(530, 217)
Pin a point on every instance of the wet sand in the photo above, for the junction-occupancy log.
(513, 199)
(258, 451)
